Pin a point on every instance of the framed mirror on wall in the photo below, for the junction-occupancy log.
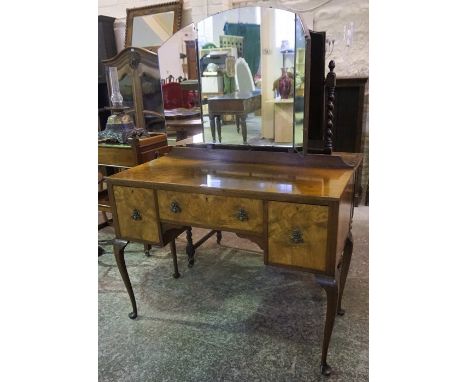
(242, 78)
(148, 27)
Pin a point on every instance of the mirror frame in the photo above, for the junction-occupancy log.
(173, 6)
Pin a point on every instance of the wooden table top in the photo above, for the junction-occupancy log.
(249, 179)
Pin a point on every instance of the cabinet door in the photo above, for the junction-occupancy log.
(297, 235)
(136, 214)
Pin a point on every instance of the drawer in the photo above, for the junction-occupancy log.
(297, 235)
(136, 213)
(211, 211)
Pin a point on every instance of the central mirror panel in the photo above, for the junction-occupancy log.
(237, 78)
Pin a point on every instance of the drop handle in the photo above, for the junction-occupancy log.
(242, 215)
(175, 208)
(136, 215)
(296, 236)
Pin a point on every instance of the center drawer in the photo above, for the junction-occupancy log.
(211, 211)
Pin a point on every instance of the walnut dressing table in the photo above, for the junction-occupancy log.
(298, 209)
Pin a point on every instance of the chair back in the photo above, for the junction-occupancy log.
(244, 79)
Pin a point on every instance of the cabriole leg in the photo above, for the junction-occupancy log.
(330, 286)
(119, 248)
(176, 274)
(190, 248)
(348, 251)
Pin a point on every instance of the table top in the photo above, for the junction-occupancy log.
(218, 176)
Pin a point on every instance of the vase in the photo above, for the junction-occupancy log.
(284, 84)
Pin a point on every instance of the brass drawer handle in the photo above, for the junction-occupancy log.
(175, 208)
(242, 215)
(136, 215)
(296, 236)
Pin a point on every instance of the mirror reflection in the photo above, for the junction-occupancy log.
(237, 77)
(299, 84)
(152, 30)
(180, 88)
(246, 63)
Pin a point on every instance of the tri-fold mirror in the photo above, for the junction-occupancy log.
(239, 77)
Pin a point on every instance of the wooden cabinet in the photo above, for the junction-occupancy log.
(107, 48)
(349, 117)
(349, 107)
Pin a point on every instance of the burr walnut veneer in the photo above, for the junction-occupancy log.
(298, 209)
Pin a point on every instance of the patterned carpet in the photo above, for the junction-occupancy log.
(229, 318)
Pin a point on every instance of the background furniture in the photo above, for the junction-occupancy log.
(113, 158)
(229, 41)
(106, 49)
(349, 112)
(250, 45)
(140, 86)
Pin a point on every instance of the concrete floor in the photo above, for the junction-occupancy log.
(230, 318)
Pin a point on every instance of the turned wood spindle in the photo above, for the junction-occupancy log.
(330, 83)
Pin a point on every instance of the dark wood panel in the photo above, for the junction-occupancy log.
(349, 112)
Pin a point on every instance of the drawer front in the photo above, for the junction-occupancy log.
(211, 211)
(136, 213)
(297, 235)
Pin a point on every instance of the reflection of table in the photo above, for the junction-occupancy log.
(184, 127)
(238, 104)
(184, 122)
(182, 113)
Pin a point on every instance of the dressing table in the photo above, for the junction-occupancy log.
(295, 202)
